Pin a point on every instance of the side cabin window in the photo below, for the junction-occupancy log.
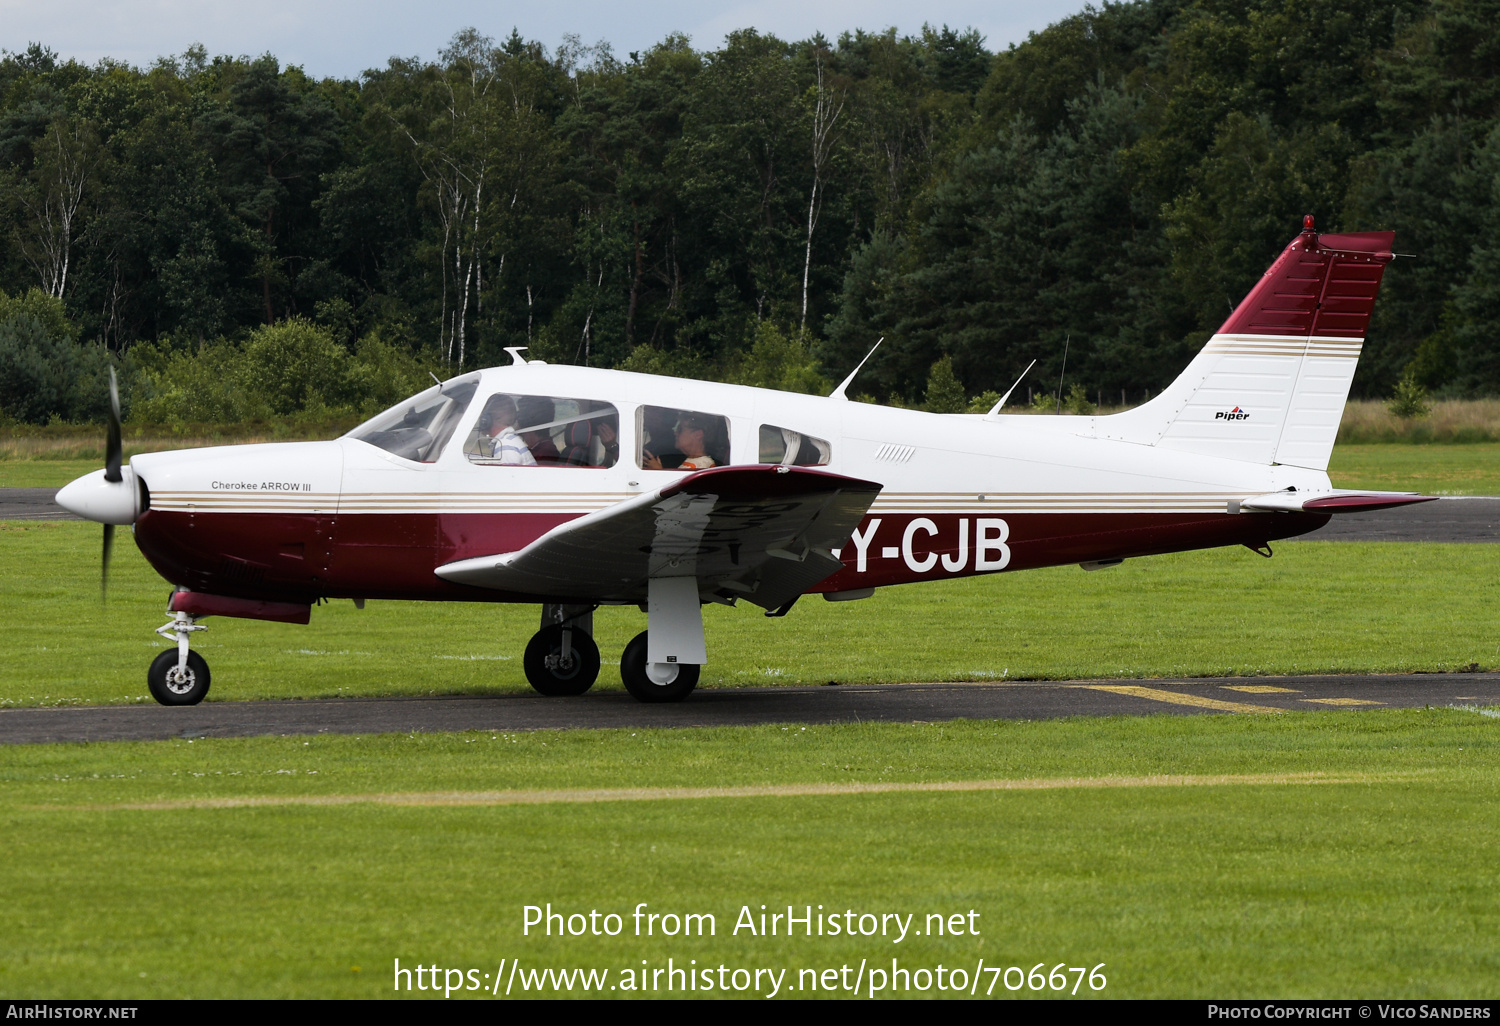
(792, 448)
(420, 427)
(544, 431)
(673, 439)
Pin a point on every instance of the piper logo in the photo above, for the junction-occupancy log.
(1234, 414)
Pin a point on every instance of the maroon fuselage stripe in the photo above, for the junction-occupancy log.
(301, 557)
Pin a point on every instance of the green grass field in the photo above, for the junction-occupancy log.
(43, 473)
(1315, 607)
(1432, 469)
(1338, 854)
(1436, 469)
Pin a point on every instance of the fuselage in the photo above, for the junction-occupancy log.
(961, 494)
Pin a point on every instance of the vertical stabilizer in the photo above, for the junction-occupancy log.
(1270, 385)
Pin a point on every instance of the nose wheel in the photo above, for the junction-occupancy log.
(174, 685)
(179, 676)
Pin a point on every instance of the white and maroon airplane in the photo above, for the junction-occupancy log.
(565, 486)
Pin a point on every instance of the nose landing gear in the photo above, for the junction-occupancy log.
(180, 677)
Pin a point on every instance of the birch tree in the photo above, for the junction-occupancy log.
(52, 201)
(827, 105)
(451, 135)
(477, 137)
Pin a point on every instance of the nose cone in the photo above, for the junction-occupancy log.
(104, 502)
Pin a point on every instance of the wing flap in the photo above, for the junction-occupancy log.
(762, 533)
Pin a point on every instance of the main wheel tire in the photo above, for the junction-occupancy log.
(642, 687)
(556, 681)
(170, 689)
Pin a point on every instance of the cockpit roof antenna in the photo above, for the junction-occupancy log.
(996, 408)
(838, 393)
(515, 354)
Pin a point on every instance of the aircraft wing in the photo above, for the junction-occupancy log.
(1333, 500)
(761, 533)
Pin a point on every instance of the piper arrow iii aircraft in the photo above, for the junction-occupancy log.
(574, 487)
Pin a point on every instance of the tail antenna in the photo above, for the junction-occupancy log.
(1060, 375)
(995, 410)
(838, 393)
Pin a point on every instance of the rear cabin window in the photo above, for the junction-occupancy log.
(544, 431)
(792, 448)
(673, 439)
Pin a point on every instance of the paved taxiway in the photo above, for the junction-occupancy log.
(719, 707)
(32, 504)
(1459, 518)
(1456, 519)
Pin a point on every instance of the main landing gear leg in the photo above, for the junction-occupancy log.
(561, 658)
(178, 677)
(662, 664)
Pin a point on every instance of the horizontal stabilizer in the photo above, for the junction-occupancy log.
(1334, 500)
(760, 533)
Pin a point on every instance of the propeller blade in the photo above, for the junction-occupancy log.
(112, 447)
(109, 543)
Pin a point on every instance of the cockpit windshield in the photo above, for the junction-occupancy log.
(418, 428)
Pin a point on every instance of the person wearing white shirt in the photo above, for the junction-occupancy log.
(505, 445)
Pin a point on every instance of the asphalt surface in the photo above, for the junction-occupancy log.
(889, 703)
(1457, 519)
(1466, 518)
(32, 504)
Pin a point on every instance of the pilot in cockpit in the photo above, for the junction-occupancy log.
(497, 426)
(690, 435)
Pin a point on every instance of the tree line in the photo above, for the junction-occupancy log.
(761, 212)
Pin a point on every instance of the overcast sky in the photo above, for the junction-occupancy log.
(344, 37)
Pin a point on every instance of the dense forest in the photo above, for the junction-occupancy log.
(241, 239)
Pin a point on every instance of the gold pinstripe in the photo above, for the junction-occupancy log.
(1284, 345)
(887, 502)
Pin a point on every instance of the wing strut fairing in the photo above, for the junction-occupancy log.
(762, 533)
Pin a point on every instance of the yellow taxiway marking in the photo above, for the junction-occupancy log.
(1260, 689)
(1178, 698)
(643, 794)
(1340, 701)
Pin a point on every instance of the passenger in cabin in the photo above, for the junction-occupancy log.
(535, 410)
(690, 434)
(497, 426)
(609, 440)
(656, 435)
